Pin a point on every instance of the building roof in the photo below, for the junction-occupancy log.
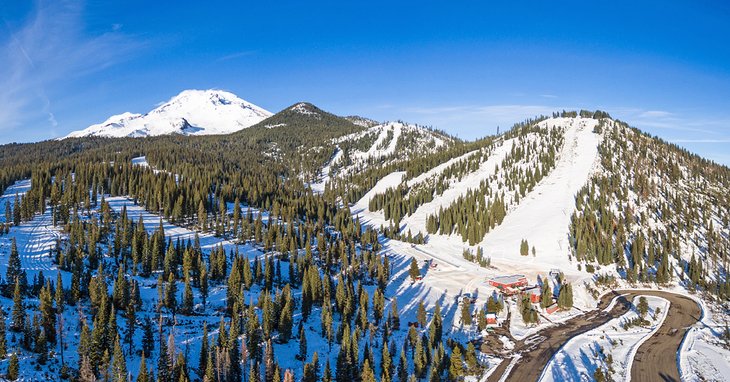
(512, 279)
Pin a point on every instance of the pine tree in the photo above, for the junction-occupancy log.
(286, 321)
(386, 364)
(14, 267)
(466, 311)
(642, 307)
(367, 372)
(148, 338)
(41, 346)
(163, 372)
(327, 374)
(421, 314)
(18, 319)
(187, 304)
(120, 364)
(170, 294)
(204, 285)
(203, 356)
(86, 373)
(13, 367)
(3, 336)
(456, 370)
(471, 357)
(16, 211)
(436, 328)
(524, 248)
(142, 376)
(131, 320)
(48, 315)
(413, 271)
(302, 344)
(546, 297)
(402, 367)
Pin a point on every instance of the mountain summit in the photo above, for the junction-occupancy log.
(192, 112)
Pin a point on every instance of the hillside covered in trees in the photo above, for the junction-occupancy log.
(317, 248)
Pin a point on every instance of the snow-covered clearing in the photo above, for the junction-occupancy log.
(20, 188)
(142, 162)
(35, 240)
(578, 359)
(173, 232)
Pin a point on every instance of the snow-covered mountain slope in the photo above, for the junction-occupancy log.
(587, 195)
(378, 145)
(192, 112)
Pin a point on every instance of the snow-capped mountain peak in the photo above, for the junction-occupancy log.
(192, 112)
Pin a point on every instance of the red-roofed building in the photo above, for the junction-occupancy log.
(508, 282)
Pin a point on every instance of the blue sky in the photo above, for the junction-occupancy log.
(465, 67)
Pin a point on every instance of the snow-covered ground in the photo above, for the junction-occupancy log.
(578, 359)
(140, 161)
(702, 357)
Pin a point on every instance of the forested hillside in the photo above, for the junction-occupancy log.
(316, 248)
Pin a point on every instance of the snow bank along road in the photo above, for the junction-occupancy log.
(655, 360)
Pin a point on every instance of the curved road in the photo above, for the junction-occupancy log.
(655, 360)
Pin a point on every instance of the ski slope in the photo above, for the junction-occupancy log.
(543, 216)
(434, 172)
(376, 219)
(417, 221)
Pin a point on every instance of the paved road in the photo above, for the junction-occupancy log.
(655, 359)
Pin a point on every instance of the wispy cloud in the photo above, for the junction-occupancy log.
(515, 112)
(235, 55)
(709, 140)
(47, 49)
(676, 122)
(472, 121)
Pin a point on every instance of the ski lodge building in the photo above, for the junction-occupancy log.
(508, 283)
